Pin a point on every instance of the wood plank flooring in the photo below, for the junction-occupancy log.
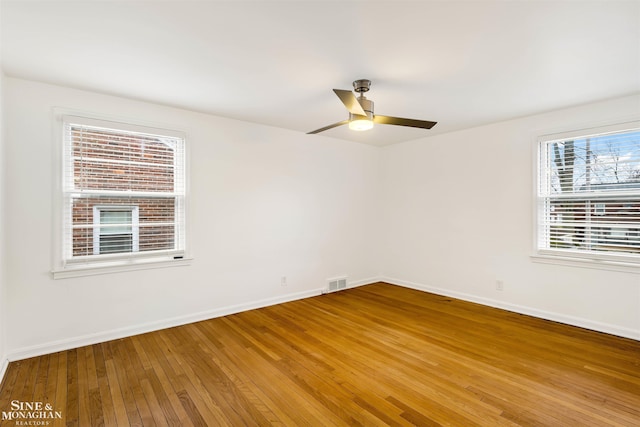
(373, 355)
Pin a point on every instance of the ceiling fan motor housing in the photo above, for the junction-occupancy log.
(361, 86)
(367, 106)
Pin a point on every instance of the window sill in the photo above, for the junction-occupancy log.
(627, 267)
(93, 269)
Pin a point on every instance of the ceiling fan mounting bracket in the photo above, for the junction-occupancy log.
(362, 85)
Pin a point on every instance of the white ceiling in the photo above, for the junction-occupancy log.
(462, 64)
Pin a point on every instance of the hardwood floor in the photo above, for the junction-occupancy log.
(373, 355)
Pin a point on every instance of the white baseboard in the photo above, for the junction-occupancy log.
(363, 282)
(61, 345)
(530, 311)
(81, 341)
(4, 364)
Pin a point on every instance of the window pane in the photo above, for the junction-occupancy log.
(156, 221)
(115, 222)
(610, 225)
(104, 159)
(116, 243)
(597, 163)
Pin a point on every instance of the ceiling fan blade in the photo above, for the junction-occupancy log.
(350, 101)
(335, 125)
(386, 120)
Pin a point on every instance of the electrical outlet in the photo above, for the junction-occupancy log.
(499, 285)
(283, 281)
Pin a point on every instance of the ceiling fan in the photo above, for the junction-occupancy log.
(361, 115)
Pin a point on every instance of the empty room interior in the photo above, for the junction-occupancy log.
(320, 213)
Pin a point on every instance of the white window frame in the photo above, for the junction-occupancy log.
(602, 261)
(63, 264)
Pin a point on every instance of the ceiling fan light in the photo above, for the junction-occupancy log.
(361, 124)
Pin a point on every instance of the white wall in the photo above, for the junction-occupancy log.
(3, 308)
(458, 216)
(264, 203)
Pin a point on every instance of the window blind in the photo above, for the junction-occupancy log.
(589, 195)
(113, 173)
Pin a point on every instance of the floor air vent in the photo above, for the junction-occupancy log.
(337, 284)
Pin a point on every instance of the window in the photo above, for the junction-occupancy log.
(599, 209)
(115, 229)
(588, 197)
(123, 193)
